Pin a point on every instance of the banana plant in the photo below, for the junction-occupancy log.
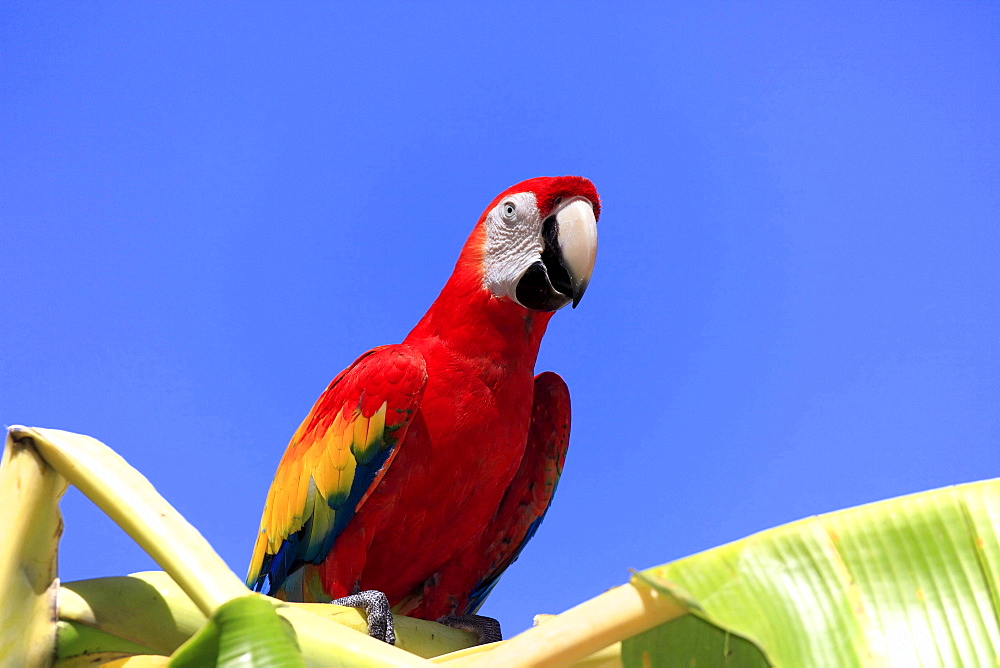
(42, 462)
(909, 581)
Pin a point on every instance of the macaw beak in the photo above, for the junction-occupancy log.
(569, 249)
(576, 235)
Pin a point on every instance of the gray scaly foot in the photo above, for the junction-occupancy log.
(376, 607)
(486, 629)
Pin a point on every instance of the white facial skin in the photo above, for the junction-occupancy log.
(513, 242)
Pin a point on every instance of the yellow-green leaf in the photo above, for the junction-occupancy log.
(909, 581)
(30, 525)
(243, 632)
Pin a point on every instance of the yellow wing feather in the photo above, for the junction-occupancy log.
(332, 461)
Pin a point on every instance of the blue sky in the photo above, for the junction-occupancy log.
(208, 210)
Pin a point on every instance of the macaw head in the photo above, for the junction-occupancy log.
(540, 241)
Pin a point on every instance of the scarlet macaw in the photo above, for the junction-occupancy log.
(425, 466)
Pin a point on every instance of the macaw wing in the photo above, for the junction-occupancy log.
(337, 456)
(528, 498)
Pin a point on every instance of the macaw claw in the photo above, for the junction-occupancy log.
(377, 610)
(486, 629)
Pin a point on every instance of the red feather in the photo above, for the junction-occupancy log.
(455, 494)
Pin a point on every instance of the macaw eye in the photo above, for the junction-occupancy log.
(508, 211)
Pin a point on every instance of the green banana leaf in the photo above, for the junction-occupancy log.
(910, 581)
(31, 525)
(243, 632)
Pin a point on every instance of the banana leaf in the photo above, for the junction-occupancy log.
(31, 526)
(906, 582)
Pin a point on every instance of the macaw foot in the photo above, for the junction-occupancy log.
(486, 629)
(376, 607)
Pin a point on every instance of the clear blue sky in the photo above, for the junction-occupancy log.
(207, 210)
